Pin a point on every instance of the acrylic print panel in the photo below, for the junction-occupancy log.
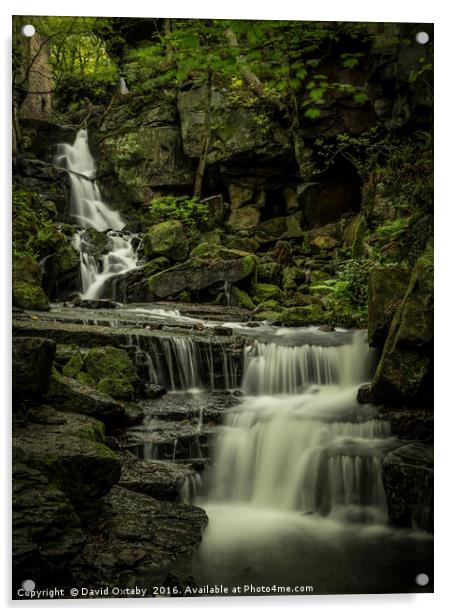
(222, 307)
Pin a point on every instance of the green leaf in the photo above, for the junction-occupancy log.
(312, 113)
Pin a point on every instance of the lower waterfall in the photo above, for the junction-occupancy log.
(294, 494)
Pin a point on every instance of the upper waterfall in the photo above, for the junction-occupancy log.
(87, 206)
(90, 211)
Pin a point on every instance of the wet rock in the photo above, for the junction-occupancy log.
(407, 475)
(138, 540)
(32, 360)
(161, 480)
(67, 394)
(200, 272)
(152, 391)
(68, 449)
(411, 424)
(167, 239)
(326, 328)
(95, 304)
(46, 531)
(387, 287)
(26, 285)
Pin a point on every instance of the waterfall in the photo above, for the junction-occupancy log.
(88, 209)
(273, 369)
(185, 364)
(87, 206)
(299, 441)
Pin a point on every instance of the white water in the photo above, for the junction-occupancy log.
(90, 211)
(299, 441)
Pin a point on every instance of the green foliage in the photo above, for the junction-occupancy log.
(189, 210)
(392, 230)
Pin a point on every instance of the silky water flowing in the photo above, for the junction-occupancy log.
(294, 495)
(89, 211)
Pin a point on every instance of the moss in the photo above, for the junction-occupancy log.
(270, 304)
(241, 298)
(168, 239)
(184, 297)
(120, 389)
(269, 272)
(268, 315)
(74, 365)
(29, 296)
(302, 315)
(85, 379)
(110, 363)
(261, 292)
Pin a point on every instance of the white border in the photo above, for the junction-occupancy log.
(413, 11)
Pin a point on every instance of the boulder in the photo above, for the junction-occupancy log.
(68, 449)
(387, 287)
(283, 227)
(161, 480)
(67, 394)
(167, 239)
(292, 277)
(138, 540)
(245, 217)
(269, 271)
(302, 315)
(225, 265)
(32, 360)
(26, 285)
(407, 475)
(119, 389)
(46, 531)
(238, 297)
(323, 242)
(114, 369)
(262, 291)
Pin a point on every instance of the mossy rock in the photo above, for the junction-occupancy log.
(159, 264)
(74, 365)
(94, 242)
(120, 389)
(261, 292)
(110, 363)
(268, 315)
(270, 305)
(29, 296)
(27, 290)
(291, 278)
(85, 379)
(168, 239)
(302, 315)
(269, 272)
(241, 298)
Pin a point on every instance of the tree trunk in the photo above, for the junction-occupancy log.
(200, 171)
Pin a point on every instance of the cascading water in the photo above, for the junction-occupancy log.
(88, 209)
(302, 443)
(295, 493)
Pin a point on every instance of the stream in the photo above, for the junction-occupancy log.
(288, 464)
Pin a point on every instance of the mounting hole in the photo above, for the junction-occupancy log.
(28, 30)
(28, 585)
(422, 38)
(422, 579)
